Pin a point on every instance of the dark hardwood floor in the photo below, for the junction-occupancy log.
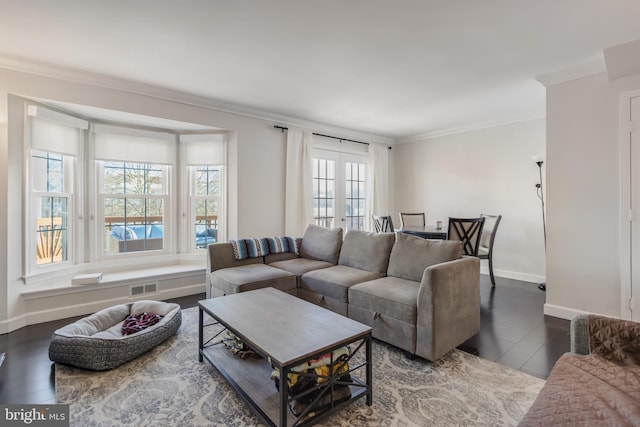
(514, 332)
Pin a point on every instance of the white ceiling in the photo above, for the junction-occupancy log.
(395, 68)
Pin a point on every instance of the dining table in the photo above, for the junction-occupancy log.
(426, 232)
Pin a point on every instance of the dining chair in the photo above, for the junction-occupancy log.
(382, 223)
(412, 219)
(485, 251)
(468, 231)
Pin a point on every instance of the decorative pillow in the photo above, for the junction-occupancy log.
(278, 245)
(366, 250)
(136, 323)
(411, 255)
(249, 248)
(322, 244)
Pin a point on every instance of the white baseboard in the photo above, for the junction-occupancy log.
(12, 324)
(561, 312)
(514, 275)
(568, 313)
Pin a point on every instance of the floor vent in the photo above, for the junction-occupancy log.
(149, 288)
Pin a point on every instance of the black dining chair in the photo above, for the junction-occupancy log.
(485, 251)
(382, 223)
(468, 231)
(412, 219)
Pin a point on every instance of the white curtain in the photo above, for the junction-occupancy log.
(378, 182)
(299, 182)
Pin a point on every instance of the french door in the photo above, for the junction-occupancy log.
(339, 190)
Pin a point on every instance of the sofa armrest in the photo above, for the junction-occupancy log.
(220, 255)
(611, 338)
(580, 334)
(448, 306)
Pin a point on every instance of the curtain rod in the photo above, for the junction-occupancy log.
(283, 128)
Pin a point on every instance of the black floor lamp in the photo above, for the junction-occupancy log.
(540, 191)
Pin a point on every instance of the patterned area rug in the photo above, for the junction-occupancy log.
(169, 387)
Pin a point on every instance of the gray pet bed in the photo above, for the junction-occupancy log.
(96, 342)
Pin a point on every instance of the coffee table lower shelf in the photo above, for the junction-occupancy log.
(251, 380)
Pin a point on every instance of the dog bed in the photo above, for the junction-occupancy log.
(96, 342)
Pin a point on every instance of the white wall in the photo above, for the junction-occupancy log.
(484, 171)
(257, 155)
(584, 200)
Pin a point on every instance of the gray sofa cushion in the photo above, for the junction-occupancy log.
(300, 266)
(253, 276)
(367, 251)
(411, 255)
(335, 281)
(390, 296)
(321, 244)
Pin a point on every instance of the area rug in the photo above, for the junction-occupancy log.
(169, 387)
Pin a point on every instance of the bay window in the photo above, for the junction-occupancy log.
(99, 192)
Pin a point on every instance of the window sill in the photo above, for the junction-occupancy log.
(116, 279)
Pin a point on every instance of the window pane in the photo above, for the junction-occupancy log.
(153, 183)
(133, 224)
(206, 224)
(354, 195)
(207, 181)
(322, 169)
(47, 172)
(52, 230)
(133, 178)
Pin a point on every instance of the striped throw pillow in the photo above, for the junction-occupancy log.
(279, 245)
(249, 248)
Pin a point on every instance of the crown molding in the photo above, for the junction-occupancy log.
(463, 129)
(585, 69)
(44, 69)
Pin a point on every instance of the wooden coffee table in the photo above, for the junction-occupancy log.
(285, 331)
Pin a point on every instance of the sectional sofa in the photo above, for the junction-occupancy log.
(420, 295)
